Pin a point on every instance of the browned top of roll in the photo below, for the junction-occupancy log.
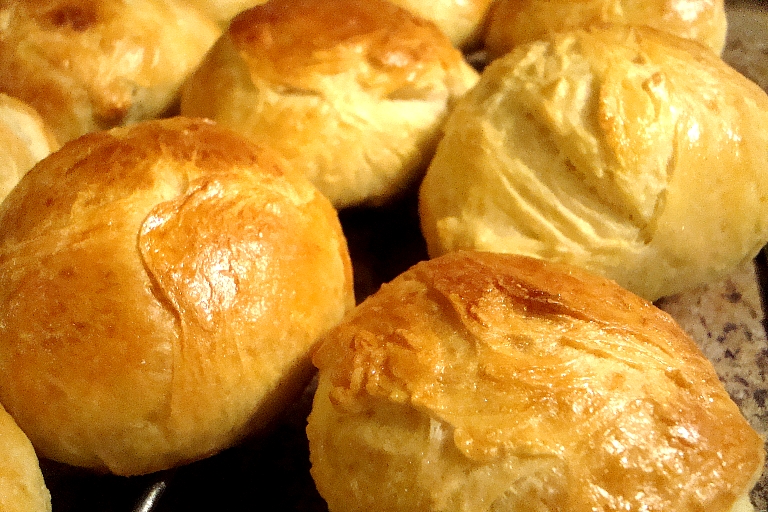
(162, 287)
(514, 22)
(87, 65)
(286, 40)
(525, 358)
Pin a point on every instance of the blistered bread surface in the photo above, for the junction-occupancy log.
(161, 287)
(635, 154)
(22, 488)
(482, 381)
(514, 22)
(353, 93)
(87, 65)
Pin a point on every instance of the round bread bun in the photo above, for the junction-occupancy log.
(22, 488)
(88, 65)
(25, 139)
(161, 288)
(633, 153)
(514, 22)
(351, 92)
(463, 21)
(491, 382)
(222, 11)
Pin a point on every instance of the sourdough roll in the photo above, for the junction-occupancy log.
(25, 139)
(463, 21)
(514, 22)
(633, 153)
(22, 488)
(161, 287)
(353, 92)
(491, 382)
(88, 65)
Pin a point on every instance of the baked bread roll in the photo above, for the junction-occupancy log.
(514, 22)
(463, 21)
(161, 287)
(352, 92)
(493, 382)
(22, 488)
(87, 65)
(25, 139)
(630, 152)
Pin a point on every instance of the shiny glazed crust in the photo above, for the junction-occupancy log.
(161, 287)
(635, 154)
(514, 22)
(22, 488)
(25, 139)
(87, 65)
(483, 381)
(353, 93)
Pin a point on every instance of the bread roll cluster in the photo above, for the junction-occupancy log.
(174, 274)
(485, 381)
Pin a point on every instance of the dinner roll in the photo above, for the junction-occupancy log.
(161, 287)
(491, 382)
(25, 139)
(463, 21)
(22, 488)
(638, 155)
(514, 22)
(351, 92)
(87, 65)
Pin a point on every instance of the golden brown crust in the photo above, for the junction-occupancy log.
(633, 153)
(222, 11)
(87, 65)
(463, 21)
(162, 286)
(283, 39)
(486, 380)
(22, 488)
(352, 93)
(25, 139)
(514, 22)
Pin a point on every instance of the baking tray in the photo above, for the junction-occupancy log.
(271, 471)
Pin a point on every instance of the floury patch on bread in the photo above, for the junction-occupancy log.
(495, 382)
(353, 93)
(161, 288)
(633, 153)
